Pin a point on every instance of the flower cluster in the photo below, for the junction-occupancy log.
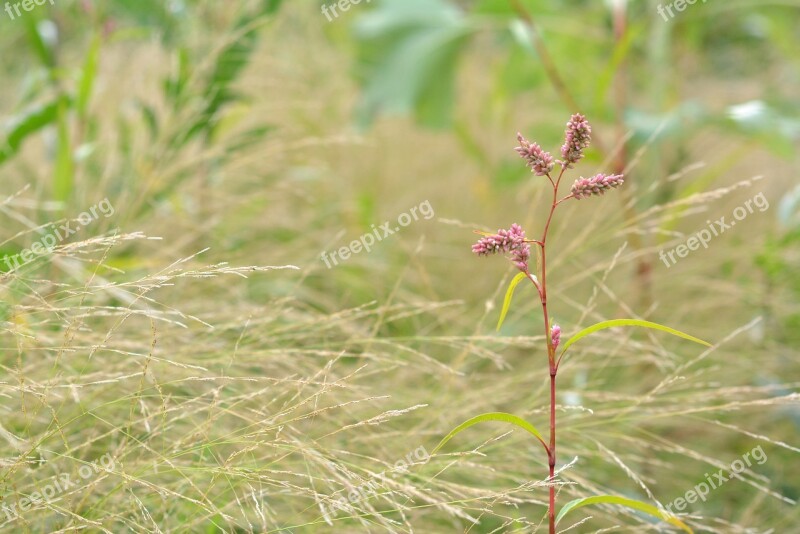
(506, 241)
(597, 185)
(538, 160)
(577, 137)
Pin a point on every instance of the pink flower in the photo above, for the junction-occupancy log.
(506, 241)
(538, 160)
(577, 137)
(555, 335)
(597, 185)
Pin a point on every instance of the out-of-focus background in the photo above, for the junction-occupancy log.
(192, 344)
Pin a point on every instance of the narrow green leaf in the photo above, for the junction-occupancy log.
(38, 44)
(630, 503)
(230, 63)
(629, 322)
(88, 76)
(507, 300)
(493, 416)
(62, 185)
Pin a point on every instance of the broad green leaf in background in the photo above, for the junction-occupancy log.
(630, 503)
(778, 128)
(408, 59)
(493, 416)
(25, 124)
(509, 294)
(628, 322)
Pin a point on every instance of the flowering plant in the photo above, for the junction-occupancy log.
(514, 243)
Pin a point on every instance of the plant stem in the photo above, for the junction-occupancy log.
(551, 353)
(552, 458)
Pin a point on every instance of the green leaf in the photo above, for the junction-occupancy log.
(507, 300)
(270, 7)
(230, 63)
(62, 185)
(88, 76)
(162, 18)
(408, 54)
(493, 416)
(38, 44)
(630, 503)
(629, 322)
(26, 124)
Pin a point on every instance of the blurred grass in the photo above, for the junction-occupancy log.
(237, 399)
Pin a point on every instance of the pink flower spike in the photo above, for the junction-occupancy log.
(577, 137)
(538, 160)
(597, 185)
(506, 241)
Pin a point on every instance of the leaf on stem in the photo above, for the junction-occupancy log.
(507, 300)
(629, 322)
(630, 503)
(493, 416)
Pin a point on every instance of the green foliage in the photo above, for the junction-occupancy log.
(623, 501)
(88, 77)
(408, 51)
(218, 88)
(778, 261)
(27, 123)
(64, 168)
(493, 416)
(273, 404)
(628, 322)
(509, 294)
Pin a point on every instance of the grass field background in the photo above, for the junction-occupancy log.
(196, 359)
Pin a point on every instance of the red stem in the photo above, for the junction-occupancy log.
(552, 456)
(551, 352)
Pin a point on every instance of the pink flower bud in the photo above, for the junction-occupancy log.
(555, 335)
